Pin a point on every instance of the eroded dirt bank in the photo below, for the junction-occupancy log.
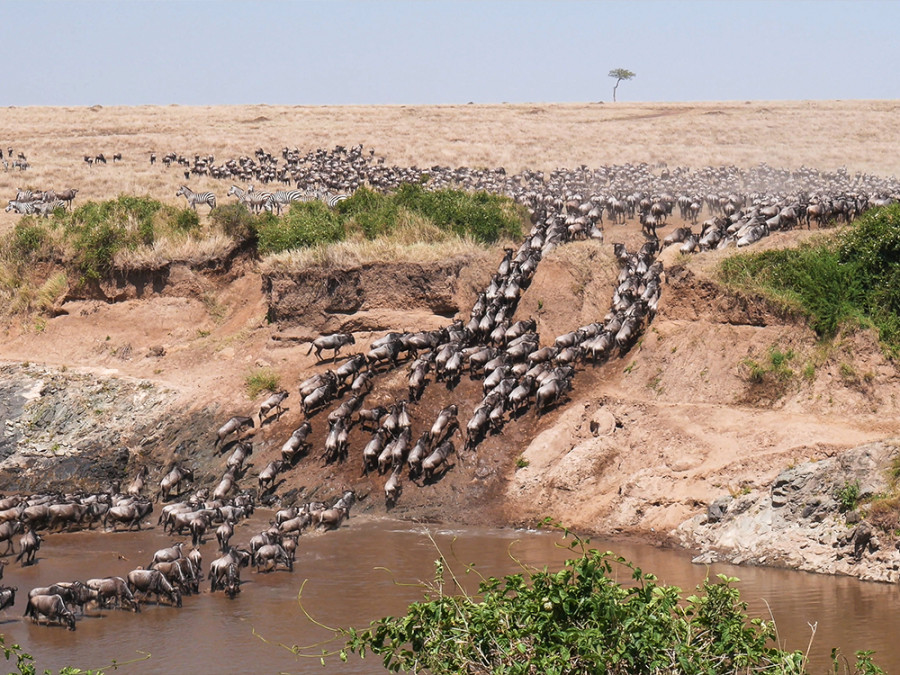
(646, 443)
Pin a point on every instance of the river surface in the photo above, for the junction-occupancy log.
(368, 569)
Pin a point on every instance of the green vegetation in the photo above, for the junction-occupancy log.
(847, 496)
(263, 379)
(852, 278)
(580, 619)
(483, 217)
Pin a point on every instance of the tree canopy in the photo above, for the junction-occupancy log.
(620, 74)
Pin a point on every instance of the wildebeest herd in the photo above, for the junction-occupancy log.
(172, 572)
(519, 371)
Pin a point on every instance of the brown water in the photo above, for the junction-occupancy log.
(345, 586)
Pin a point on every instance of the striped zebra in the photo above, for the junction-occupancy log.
(282, 198)
(195, 198)
(23, 208)
(254, 201)
(46, 209)
(331, 199)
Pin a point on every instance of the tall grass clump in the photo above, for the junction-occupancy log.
(851, 277)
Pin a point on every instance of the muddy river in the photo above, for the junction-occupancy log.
(364, 571)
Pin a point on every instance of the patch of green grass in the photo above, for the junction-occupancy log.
(260, 380)
(849, 279)
(480, 216)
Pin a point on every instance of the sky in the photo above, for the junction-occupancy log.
(335, 52)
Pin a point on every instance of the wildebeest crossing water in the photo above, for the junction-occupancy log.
(212, 633)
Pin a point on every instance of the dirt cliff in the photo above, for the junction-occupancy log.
(695, 412)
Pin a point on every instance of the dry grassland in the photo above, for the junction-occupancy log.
(859, 135)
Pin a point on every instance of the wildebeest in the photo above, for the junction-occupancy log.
(319, 397)
(392, 488)
(8, 530)
(52, 608)
(136, 487)
(30, 544)
(273, 402)
(173, 479)
(113, 588)
(309, 385)
(296, 443)
(436, 459)
(269, 473)
(334, 341)
(128, 514)
(152, 581)
(234, 424)
(218, 568)
(235, 462)
(7, 596)
(269, 556)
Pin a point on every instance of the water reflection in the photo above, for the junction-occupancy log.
(368, 569)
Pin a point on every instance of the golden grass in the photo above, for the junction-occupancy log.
(859, 135)
(354, 253)
(175, 248)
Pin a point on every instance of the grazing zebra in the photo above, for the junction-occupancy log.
(100, 159)
(24, 208)
(255, 201)
(24, 195)
(195, 198)
(331, 199)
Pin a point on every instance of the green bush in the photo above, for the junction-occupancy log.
(580, 620)
(28, 237)
(305, 224)
(236, 221)
(850, 277)
(484, 217)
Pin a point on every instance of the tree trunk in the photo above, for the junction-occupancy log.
(614, 89)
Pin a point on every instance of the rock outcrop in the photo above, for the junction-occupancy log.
(807, 519)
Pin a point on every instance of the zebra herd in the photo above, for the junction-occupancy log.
(40, 202)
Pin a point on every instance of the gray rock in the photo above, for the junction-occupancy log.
(717, 510)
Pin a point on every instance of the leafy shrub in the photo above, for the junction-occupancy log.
(28, 237)
(186, 220)
(848, 496)
(580, 620)
(851, 277)
(412, 209)
(305, 224)
(235, 221)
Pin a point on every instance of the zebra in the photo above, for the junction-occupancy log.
(331, 200)
(255, 201)
(46, 209)
(195, 198)
(282, 198)
(24, 208)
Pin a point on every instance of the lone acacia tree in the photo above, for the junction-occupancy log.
(620, 74)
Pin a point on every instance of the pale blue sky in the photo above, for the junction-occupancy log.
(132, 52)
